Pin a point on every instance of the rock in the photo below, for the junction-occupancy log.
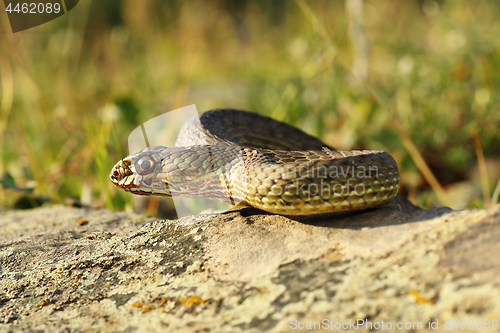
(247, 270)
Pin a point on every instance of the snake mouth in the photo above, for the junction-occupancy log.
(121, 175)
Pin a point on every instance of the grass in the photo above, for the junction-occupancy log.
(416, 78)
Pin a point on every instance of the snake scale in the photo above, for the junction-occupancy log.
(243, 158)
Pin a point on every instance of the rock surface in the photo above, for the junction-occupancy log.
(68, 269)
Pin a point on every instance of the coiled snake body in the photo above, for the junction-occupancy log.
(243, 158)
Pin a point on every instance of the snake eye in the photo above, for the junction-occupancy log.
(145, 165)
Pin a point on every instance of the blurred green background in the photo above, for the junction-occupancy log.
(419, 79)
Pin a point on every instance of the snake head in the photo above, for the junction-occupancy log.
(165, 171)
(194, 171)
(141, 173)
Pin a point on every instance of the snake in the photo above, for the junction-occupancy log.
(246, 159)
